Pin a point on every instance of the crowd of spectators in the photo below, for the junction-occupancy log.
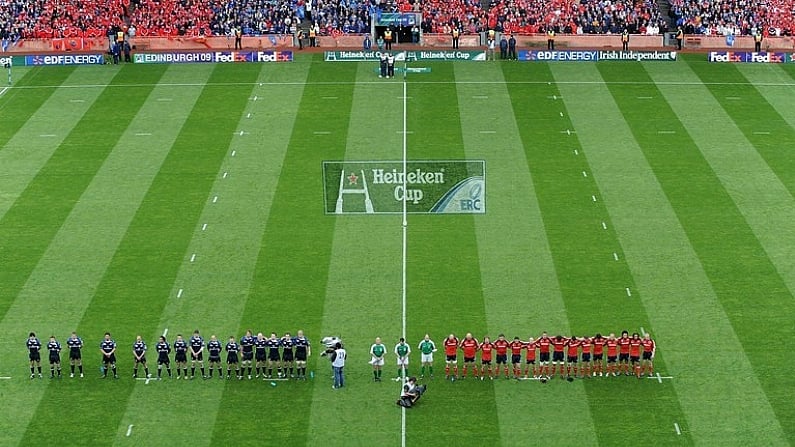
(735, 17)
(93, 18)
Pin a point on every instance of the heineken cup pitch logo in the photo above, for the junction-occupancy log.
(428, 186)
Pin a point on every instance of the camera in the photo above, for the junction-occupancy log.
(330, 344)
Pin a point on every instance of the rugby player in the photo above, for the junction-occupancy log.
(612, 354)
(486, 350)
(288, 357)
(196, 343)
(470, 346)
(247, 351)
(516, 356)
(599, 343)
(108, 349)
(501, 346)
(260, 354)
(214, 349)
(34, 346)
(139, 357)
(232, 360)
(572, 355)
(273, 355)
(163, 350)
(544, 343)
(451, 356)
(55, 356)
(634, 353)
(181, 355)
(648, 355)
(530, 358)
(377, 352)
(75, 345)
(585, 357)
(427, 347)
(402, 351)
(558, 346)
(623, 353)
(302, 353)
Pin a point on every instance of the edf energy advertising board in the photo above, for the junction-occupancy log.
(428, 186)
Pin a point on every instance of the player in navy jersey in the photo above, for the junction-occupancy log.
(163, 350)
(181, 355)
(247, 350)
(214, 349)
(55, 356)
(108, 349)
(273, 355)
(139, 357)
(232, 360)
(75, 345)
(260, 353)
(34, 346)
(287, 354)
(302, 353)
(196, 354)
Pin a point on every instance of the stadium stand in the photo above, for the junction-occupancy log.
(739, 17)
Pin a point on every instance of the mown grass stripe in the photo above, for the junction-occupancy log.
(734, 233)
(520, 285)
(145, 264)
(290, 275)
(445, 246)
(365, 250)
(28, 227)
(582, 239)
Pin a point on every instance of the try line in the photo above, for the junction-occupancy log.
(403, 285)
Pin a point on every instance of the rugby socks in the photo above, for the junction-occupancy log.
(52, 371)
(184, 372)
(192, 371)
(203, 374)
(81, 368)
(446, 371)
(72, 368)
(135, 373)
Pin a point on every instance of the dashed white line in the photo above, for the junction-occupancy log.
(215, 199)
(645, 97)
(164, 99)
(401, 132)
(593, 198)
(204, 227)
(165, 332)
(5, 378)
(321, 132)
(248, 115)
(561, 114)
(666, 132)
(77, 100)
(615, 256)
(179, 293)
(129, 430)
(143, 134)
(676, 427)
(733, 98)
(233, 153)
(225, 174)
(761, 133)
(568, 132)
(629, 292)
(255, 98)
(330, 97)
(488, 131)
(642, 331)
(575, 152)
(604, 226)
(193, 257)
(584, 174)
(480, 97)
(242, 133)
(47, 135)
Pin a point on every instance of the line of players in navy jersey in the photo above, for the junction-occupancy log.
(253, 356)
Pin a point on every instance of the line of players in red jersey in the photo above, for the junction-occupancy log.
(546, 356)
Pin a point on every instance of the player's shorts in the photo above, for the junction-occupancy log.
(427, 358)
(502, 359)
(571, 359)
(197, 357)
(530, 361)
(143, 360)
(634, 358)
(260, 356)
(543, 357)
(181, 357)
(55, 358)
(451, 358)
(75, 355)
(403, 361)
(34, 356)
(163, 360)
(231, 358)
(215, 358)
(109, 359)
(287, 356)
(469, 359)
(611, 359)
(647, 355)
(623, 357)
(586, 357)
(377, 361)
(300, 356)
(485, 361)
(598, 357)
(557, 356)
(516, 358)
(273, 356)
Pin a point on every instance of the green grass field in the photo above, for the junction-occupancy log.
(620, 196)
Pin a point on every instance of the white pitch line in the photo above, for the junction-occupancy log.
(593, 198)
(233, 153)
(402, 131)
(615, 256)
(403, 97)
(248, 115)
(330, 97)
(321, 132)
(629, 292)
(488, 131)
(642, 331)
(77, 100)
(645, 97)
(604, 226)
(4, 90)
(5, 378)
(225, 174)
(204, 227)
(405, 250)
(561, 114)
(676, 427)
(667, 132)
(193, 257)
(47, 135)
(143, 134)
(761, 133)
(255, 98)
(480, 97)
(242, 133)
(554, 97)
(129, 430)
(165, 332)
(584, 174)
(164, 99)
(575, 152)
(179, 293)
(734, 98)
(215, 199)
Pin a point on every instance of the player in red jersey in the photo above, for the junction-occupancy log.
(544, 343)
(470, 346)
(558, 347)
(648, 355)
(599, 343)
(623, 353)
(486, 348)
(585, 357)
(516, 356)
(634, 353)
(501, 345)
(612, 354)
(530, 358)
(451, 356)
(572, 354)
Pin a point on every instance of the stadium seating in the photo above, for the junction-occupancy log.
(739, 17)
